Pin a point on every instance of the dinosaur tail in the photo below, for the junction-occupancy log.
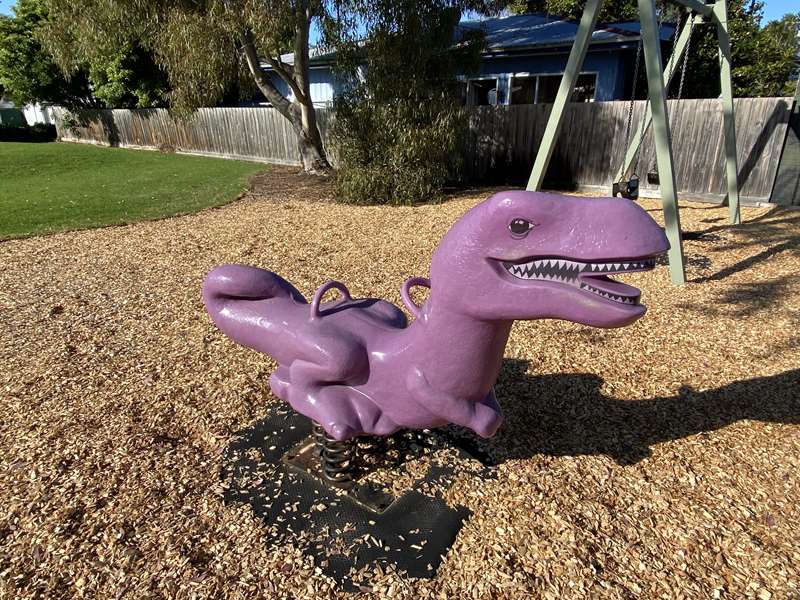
(228, 283)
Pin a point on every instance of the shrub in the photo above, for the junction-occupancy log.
(401, 152)
(397, 129)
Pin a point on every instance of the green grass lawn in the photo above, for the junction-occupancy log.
(51, 187)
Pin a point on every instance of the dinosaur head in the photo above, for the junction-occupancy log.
(530, 255)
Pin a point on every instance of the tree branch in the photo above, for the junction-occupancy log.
(302, 26)
(280, 69)
(271, 93)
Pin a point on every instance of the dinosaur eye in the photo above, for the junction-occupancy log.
(520, 227)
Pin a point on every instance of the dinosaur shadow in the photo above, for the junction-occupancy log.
(568, 415)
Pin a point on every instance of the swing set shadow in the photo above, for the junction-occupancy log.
(569, 415)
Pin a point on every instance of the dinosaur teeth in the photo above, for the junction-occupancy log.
(608, 295)
(620, 267)
(567, 272)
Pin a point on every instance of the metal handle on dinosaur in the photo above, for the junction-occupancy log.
(321, 291)
(405, 293)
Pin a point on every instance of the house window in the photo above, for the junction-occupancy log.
(523, 90)
(483, 92)
(584, 88)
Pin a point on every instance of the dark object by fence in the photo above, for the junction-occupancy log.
(37, 133)
(12, 117)
(787, 181)
(627, 189)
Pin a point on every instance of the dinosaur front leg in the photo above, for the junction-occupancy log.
(482, 417)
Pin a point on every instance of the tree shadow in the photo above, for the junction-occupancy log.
(99, 125)
(568, 415)
(780, 114)
(777, 227)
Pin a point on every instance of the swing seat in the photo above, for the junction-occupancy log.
(627, 189)
(653, 178)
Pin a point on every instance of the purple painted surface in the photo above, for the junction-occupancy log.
(357, 367)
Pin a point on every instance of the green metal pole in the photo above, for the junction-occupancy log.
(573, 68)
(729, 120)
(677, 53)
(658, 106)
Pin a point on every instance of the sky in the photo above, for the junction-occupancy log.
(773, 9)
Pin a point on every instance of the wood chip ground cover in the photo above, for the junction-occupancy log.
(659, 460)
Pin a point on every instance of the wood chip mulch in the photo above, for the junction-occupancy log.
(656, 461)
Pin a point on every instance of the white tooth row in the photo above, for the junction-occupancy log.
(553, 263)
(615, 298)
(621, 266)
(519, 271)
(583, 267)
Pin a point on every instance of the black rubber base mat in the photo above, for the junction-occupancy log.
(412, 535)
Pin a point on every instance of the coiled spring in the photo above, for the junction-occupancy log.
(336, 458)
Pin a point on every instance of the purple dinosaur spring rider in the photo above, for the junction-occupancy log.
(356, 367)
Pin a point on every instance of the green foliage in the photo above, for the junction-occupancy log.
(196, 44)
(763, 58)
(120, 75)
(611, 11)
(396, 127)
(778, 49)
(395, 152)
(27, 71)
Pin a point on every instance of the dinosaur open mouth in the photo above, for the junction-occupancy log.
(590, 277)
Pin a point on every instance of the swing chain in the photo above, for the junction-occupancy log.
(633, 92)
(686, 56)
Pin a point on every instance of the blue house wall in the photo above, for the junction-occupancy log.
(321, 81)
(609, 64)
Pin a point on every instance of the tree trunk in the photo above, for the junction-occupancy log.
(309, 140)
(300, 112)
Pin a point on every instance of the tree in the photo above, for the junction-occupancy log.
(205, 46)
(398, 121)
(27, 71)
(763, 58)
(611, 10)
(779, 51)
(128, 77)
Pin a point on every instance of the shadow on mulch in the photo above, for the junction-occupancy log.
(568, 415)
(291, 183)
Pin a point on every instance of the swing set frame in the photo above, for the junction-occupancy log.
(658, 80)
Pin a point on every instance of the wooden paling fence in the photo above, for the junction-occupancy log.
(501, 141)
(260, 134)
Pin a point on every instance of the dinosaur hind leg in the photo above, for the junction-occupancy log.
(344, 413)
(279, 383)
(343, 362)
(341, 410)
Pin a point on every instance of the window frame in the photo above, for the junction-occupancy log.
(537, 75)
(470, 97)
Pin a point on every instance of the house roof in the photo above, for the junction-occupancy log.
(515, 33)
(520, 32)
